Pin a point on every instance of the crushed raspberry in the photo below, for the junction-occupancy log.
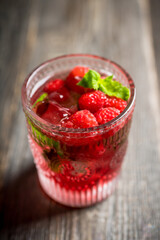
(74, 77)
(53, 85)
(92, 101)
(105, 115)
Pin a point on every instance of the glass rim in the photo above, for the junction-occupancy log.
(52, 127)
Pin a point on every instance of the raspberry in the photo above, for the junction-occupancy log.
(60, 95)
(118, 103)
(105, 115)
(81, 119)
(53, 85)
(92, 101)
(67, 124)
(74, 77)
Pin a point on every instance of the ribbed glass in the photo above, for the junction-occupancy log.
(86, 162)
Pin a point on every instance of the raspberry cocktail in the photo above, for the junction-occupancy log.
(78, 110)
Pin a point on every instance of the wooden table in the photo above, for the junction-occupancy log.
(127, 32)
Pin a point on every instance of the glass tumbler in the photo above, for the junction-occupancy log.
(77, 167)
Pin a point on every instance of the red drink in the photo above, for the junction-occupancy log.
(76, 166)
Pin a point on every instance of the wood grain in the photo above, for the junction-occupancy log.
(124, 31)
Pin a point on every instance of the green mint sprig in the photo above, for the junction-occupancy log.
(44, 140)
(93, 80)
(54, 162)
(43, 97)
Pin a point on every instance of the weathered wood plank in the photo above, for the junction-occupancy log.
(40, 30)
(154, 10)
(12, 44)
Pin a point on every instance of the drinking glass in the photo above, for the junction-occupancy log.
(77, 167)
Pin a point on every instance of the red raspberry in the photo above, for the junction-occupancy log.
(105, 115)
(53, 85)
(118, 103)
(67, 124)
(74, 77)
(92, 101)
(81, 119)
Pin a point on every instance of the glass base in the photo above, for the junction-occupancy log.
(83, 198)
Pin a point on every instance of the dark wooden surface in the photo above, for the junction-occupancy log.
(127, 32)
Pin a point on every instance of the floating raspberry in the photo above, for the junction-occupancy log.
(118, 103)
(53, 85)
(105, 115)
(76, 76)
(81, 119)
(92, 101)
(67, 124)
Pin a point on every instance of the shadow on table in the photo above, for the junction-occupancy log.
(22, 201)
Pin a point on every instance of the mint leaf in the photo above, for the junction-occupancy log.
(56, 166)
(93, 80)
(114, 88)
(43, 140)
(40, 99)
(90, 80)
(54, 162)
